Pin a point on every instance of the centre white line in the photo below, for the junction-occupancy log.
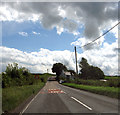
(82, 103)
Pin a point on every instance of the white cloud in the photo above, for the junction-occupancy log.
(59, 30)
(34, 61)
(65, 16)
(35, 33)
(62, 12)
(115, 30)
(80, 42)
(23, 34)
(106, 58)
(76, 33)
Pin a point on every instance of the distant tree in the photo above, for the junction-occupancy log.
(90, 72)
(57, 68)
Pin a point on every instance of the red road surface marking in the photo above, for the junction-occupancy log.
(52, 91)
(55, 91)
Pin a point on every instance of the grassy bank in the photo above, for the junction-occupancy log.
(13, 96)
(110, 77)
(108, 91)
(108, 83)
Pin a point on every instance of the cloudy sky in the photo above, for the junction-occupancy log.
(38, 34)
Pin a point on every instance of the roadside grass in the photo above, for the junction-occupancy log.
(13, 96)
(108, 77)
(108, 91)
(108, 83)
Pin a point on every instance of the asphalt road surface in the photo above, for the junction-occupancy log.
(56, 98)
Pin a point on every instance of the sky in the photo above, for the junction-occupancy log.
(38, 34)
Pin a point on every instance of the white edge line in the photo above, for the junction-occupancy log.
(28, 104)
(82, 103)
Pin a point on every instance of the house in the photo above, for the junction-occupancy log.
(67, 74)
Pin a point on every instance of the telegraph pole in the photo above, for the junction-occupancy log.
(47, 70)
(76, 60)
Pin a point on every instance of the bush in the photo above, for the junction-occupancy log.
(14, 76)
(113, 83)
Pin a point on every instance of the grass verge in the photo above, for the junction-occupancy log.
(108, 91)
(13, 96)
(108, 83)
(108, 77)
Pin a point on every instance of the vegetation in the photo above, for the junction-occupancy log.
(44, 77)
(108, 83)
(112, 77)
(18, 84)
(13, 96)
(90, 72)
(57, 68)
(93, 79)
(14, 76)
(108, 91)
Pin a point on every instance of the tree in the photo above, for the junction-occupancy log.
(83, 63)
(90, 72)
(12, 70)
(57, 68)
(84, 68)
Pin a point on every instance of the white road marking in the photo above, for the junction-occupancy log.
(29, 104)
(82, 103)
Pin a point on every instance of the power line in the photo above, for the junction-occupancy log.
(100, 36)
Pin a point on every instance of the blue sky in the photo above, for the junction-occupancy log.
(37, 35)
(48, 39)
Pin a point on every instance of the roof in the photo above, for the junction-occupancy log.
(67, 73)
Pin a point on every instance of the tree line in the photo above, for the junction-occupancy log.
(87, 71)
(15, 76)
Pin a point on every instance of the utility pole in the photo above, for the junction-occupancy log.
(76, 60)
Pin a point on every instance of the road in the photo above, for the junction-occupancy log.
(56, 98)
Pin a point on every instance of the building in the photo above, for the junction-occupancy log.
(67, 74)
